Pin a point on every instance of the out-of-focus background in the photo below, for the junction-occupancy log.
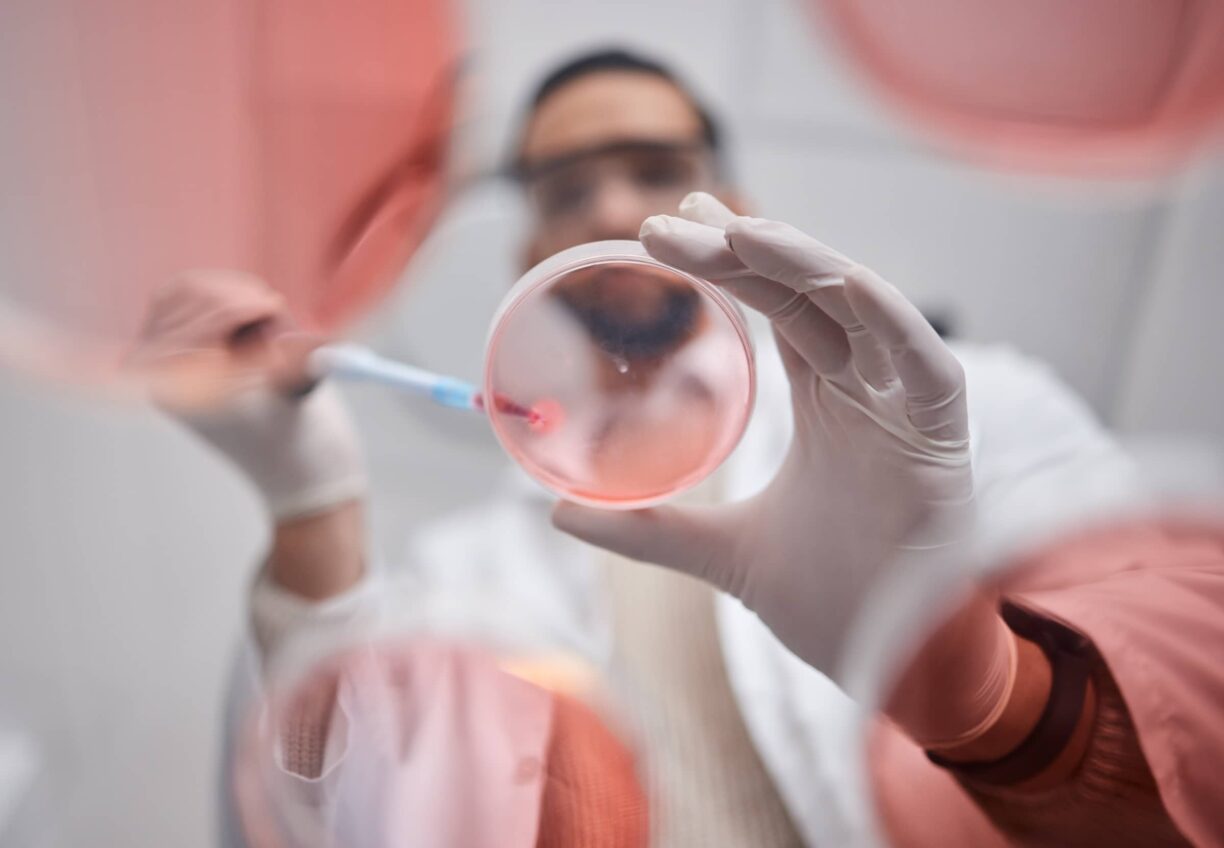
(126, 548)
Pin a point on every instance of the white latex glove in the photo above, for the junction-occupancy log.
(219, 353)
(879, 464)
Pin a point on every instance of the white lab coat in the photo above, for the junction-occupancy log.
(499, 571)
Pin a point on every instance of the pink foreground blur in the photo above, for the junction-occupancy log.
(302, 140)
(1096, 87)
(1150, 596)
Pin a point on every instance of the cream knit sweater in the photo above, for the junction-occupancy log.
(704, 779)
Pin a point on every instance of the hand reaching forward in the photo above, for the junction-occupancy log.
(879, 462)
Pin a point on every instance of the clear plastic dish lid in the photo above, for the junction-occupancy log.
(638, 378)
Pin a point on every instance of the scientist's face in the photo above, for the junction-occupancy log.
(606, 151)
(599, 156)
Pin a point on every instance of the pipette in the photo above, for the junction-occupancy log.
(358, 363)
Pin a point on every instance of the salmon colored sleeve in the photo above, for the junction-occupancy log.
(918, 804)
(1148, 601)
(1110, 798)
(592, 795)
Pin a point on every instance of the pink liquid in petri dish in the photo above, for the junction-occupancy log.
(637, 379)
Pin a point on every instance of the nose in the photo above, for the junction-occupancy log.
(618, 211)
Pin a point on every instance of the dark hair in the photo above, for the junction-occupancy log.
(617, 59)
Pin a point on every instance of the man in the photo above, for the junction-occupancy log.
(742, 742)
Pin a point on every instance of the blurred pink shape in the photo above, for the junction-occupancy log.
(434, 746)
(1148, 593)
(303, 140)
(1096, 86)
(424, 743)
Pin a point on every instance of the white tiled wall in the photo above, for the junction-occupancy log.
(122, 562)
(124, 549)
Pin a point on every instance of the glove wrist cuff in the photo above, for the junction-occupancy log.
(301, 454)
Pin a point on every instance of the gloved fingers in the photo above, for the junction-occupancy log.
(816, 337)
(169, 320)
(202, 308)
(933, 379)
(695, 540)
(870, 357)
(697, 248)
(243, 330)
(792, 361)
(780, 252)
(288, 361)
(702, 250)
(204, 344)
(211, 336)
(193, 294)
(705, 208)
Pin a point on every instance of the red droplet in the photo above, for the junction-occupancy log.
(546, 416)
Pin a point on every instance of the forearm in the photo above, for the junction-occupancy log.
(317, 591)
(303, 457)
(321, 555)
(974, 690)
(308, 602)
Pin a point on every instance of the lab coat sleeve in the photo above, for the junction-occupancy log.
(1041, 458)
(495, 574)
(290, 631)
(288, 635)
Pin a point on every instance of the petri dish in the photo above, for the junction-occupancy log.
(617, 381)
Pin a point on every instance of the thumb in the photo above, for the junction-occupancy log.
(694, 540)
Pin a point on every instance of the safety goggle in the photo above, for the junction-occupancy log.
(661, 172)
